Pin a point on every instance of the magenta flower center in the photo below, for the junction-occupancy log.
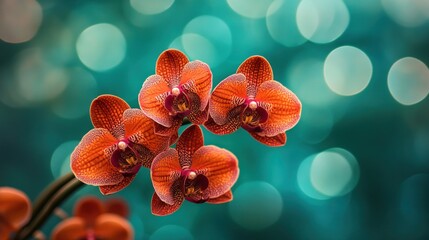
(90, 235)
(177, 102)
(125, 158)
(194, 186)
(253, 115)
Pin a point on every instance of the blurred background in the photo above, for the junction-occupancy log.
(356, 165)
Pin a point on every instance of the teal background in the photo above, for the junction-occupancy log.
(43, 117)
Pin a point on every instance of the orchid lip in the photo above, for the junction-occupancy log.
(90, 234)
(202, 200)
(125, 158)
(263, 114)
(194, 186)
(252, 104)
(253, 115)
(251, 128)
(177, 103)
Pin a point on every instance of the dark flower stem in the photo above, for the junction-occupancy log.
(49, 192)
(48, 207)
(50, 199)
(44, 198)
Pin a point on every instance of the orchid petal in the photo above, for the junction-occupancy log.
(140, 130)
(173, 138)
(168, 131)
(229, 94)
(89, 208)
(195, 188)
(152, 98)
(5, 232)
(70, 229)
(229, 127)
(106, 112)
(224, 198)
(117, 206)
(284, 107)
(110, 189)
(160, 208)
(196, 77)
(113, 227)
(135, 121)
(257, 70)
(90, 160)
(220, 167)
(15, 208)
(196, 116)
(189, 142)
(165, 170)
(274, 141)
(170, 64)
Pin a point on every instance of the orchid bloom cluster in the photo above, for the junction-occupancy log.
(125, 139)
(93, 219)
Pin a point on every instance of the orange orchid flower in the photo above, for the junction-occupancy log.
(253, 100)
(93, 220)
(15, 211)
(123, 140)
(179, 89)
(116, 206)
(193, 172)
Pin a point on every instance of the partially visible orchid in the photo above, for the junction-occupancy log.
(123, 140)
(179, 89)
(253, 100)
(15, 211)
(94, 220)
(193, 172)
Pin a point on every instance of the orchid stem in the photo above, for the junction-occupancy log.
(48, 207)
(49, 192)
(46, 195)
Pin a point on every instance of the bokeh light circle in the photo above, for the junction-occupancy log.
(347, 70)
(410, 13)
(334, 172)
(331, 173)
(19, 20)
(60, 160)
(281, 23)
(304, 180)
(38, 80)
(101, 47)
(35, 88)
(322, 21)
(250, 8)
(209, 44)
(408, 81)
(256, 205)
(151, 7)
(167, 232)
